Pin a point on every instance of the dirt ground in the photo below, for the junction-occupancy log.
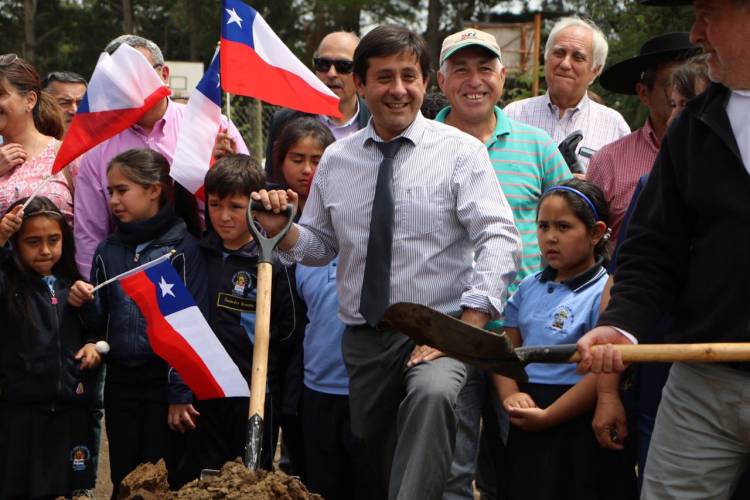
(234, 481)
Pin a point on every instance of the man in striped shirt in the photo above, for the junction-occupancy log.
(454, 248)
(617, 167)
(575, 54)
(526, 162)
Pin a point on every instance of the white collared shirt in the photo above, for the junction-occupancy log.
(448, 206)
(738, 110)
(343, 130)
(600, 125)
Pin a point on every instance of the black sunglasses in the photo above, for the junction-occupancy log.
(342, 66)
(8, 59)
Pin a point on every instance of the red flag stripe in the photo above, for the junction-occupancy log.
(168, 343)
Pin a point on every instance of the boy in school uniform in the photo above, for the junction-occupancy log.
(231, 256)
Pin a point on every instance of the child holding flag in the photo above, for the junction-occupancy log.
(139, 385)
(46, 358)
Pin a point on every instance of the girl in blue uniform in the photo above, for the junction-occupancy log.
(47, 355)
(552, 449)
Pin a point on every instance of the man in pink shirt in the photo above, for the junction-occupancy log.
(157, 130)
(617, 167)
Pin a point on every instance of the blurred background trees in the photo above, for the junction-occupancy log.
(70, 34)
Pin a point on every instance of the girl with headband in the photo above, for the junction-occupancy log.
(551, 415)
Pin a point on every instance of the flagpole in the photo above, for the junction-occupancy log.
(138, 269)
(37, 189)
(229, 106)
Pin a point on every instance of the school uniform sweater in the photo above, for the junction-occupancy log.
(38, 345)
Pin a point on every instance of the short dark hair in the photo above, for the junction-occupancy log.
(582, 210)
(292, 132)
(386, 41)
(234, 174)
(432, 104)
(63, 77)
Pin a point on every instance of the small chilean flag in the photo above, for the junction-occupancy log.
(256, 63)
(180, 335)
(195, 144)
(123, 87)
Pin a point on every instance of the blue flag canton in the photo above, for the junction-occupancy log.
(237, 22)
(210, 85)
(84, 106)
(171, 294)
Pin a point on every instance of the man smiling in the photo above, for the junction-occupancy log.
(526, 162)
(405, 203)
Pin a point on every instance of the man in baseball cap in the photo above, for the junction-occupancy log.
(686, 254)
(472, 76)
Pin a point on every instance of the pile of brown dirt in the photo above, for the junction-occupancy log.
(234, 481)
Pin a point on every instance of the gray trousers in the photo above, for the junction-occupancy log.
(405, 417)
(701, 441)
(471, 400)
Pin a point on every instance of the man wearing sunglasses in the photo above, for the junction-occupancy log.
(333, 64)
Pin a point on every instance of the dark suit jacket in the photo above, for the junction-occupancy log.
(285, 115)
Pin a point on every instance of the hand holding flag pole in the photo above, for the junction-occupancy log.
(135, 270)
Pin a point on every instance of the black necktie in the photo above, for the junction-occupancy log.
(377, 278)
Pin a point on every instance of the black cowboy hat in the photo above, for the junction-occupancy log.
(621, 77)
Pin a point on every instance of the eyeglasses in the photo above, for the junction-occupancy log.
(7, 59)
(342, 66)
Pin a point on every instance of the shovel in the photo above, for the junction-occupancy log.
(253, 443)
(495, 352)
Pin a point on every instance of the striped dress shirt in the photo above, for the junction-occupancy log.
(526, 163)
(600, 125)
(454, 243)
(617, 167)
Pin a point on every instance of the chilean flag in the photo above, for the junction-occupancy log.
(180, 335)
(195, 144)
(256, 63)
(123, 87)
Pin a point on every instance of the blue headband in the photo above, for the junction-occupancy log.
(580, 195)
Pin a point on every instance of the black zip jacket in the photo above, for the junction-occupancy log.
(125, 325)
(231, 313)
(686, 251)
(37, 354)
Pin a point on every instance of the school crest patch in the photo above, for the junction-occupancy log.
(79, 458)
(561, 317)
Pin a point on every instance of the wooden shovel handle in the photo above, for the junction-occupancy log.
(688, 353)
(644, 353)
(262, 340)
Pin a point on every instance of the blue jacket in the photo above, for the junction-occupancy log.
(125, 325)
(232, 293)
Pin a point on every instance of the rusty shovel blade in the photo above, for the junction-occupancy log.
(459, 340)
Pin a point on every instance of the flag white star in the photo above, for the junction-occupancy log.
(166, 288)
(234, 17)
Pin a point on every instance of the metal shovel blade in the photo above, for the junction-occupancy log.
(254, 442)
(459, 340)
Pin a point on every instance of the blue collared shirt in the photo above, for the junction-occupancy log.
(551, 313)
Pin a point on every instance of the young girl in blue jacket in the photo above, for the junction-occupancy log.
(47, 355)
(552, 451)
(140, 386)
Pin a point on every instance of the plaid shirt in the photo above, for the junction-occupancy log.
(617, 167)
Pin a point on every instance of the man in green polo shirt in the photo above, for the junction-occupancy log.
(526, 162)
